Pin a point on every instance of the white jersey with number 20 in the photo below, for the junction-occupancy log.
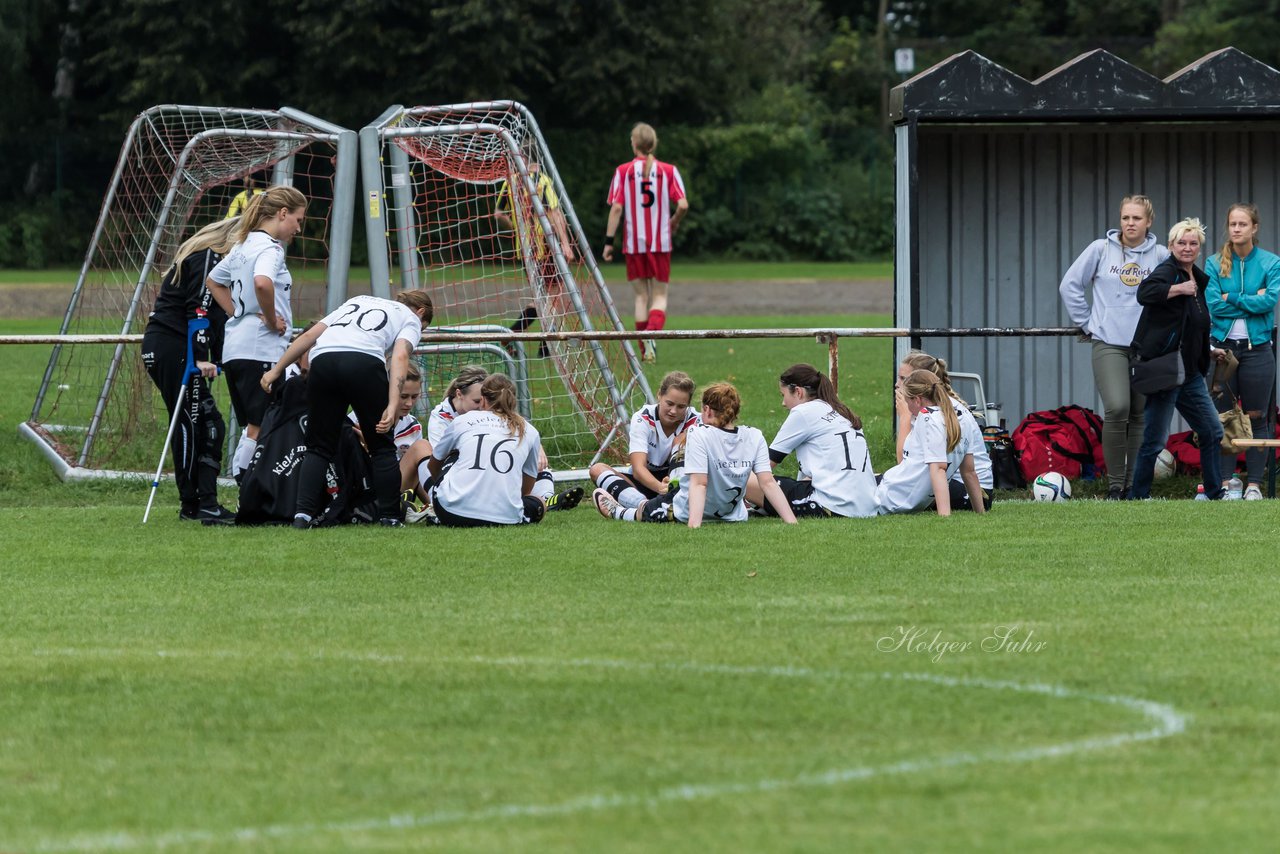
(485, 483)
(727, 458)
(369, 325)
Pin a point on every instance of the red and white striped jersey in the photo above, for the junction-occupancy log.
(646, 204)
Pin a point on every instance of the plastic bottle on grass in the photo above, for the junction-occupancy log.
(1235, 489)
(1200, 496)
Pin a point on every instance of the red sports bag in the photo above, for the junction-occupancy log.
(1067, 440)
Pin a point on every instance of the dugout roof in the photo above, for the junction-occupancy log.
(1002, 181)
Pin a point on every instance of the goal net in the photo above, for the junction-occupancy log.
(180, 168)
(465, 201)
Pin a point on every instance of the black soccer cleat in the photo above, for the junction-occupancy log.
(215, 515)
(390, 522)
(566, 500)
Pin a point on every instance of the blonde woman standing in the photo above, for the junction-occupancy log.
(1111, 268)
(252, 285)
(197, 439)
(1244, 285)
(644, 189)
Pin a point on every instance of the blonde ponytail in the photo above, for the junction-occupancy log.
(500, 393)
(926, 385)
(644, 139)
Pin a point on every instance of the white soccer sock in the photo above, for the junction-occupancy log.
(627, 515)
(244, 454)
(544, 487)
(628, 496)
(424, 473)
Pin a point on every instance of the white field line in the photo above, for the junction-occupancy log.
(1159, 721)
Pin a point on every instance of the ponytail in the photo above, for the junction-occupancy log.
(819, 387)
(266, 205)
(723, 399)
(219, 236)
(926, 384)
(644, 139)
(417, 299)
(500, 393)
(922, 361)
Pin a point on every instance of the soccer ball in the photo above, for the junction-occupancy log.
(1166, 465)
(1051, 486)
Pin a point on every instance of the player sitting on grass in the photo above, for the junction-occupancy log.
(932, 450)
(719, 457)
(971, 433)
(657, 435)
(491, 479)
(835, 477)
(462, 396)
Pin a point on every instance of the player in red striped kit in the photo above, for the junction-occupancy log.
(644, 189)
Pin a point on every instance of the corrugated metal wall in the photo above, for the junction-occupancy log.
(1003, 212)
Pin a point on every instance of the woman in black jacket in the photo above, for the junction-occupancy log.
(1175, 317)
(197, 441)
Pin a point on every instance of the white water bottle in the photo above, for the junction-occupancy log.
(1235, 489)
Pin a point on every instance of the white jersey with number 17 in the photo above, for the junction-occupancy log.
(727, 458)
(486, 481)
(832, 454)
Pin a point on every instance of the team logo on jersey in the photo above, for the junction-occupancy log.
(1131, 274)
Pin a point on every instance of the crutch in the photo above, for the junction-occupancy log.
(193, 326)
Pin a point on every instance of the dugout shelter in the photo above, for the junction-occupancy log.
(1001, 182)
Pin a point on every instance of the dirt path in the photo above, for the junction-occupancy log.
(780, 297)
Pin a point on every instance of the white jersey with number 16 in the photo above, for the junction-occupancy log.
(485, 482)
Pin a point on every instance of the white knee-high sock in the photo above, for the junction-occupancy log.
(244, 453)
(622, 492)
(544, 487)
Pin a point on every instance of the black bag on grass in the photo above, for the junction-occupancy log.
(269, 487)
(1004, 462)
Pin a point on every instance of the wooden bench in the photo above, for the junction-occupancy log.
(1271, 459)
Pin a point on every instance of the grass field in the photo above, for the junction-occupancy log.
(591, 686)
(696, 271)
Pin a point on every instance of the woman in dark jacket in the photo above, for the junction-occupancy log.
(1175, 317)
(197, 441)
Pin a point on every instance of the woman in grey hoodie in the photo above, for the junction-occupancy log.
(1114, 266)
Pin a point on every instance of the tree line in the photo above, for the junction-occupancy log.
(774, 109)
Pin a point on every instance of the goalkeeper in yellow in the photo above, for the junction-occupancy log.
(529, 224)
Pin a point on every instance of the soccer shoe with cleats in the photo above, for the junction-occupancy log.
(566, 500)
(422, 514)
(390, 522)
(608, 507)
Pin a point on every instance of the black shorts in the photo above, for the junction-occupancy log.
(658, 509)
(534, 510)
(244, 382)
(658, 472)
(799, 495)
(960, 496)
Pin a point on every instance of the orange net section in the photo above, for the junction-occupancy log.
(479, 218)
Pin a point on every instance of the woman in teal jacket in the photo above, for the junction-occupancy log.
(1244, 284)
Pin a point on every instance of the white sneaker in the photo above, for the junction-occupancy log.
(1253, 493)
(608, 508)
(423, 514)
